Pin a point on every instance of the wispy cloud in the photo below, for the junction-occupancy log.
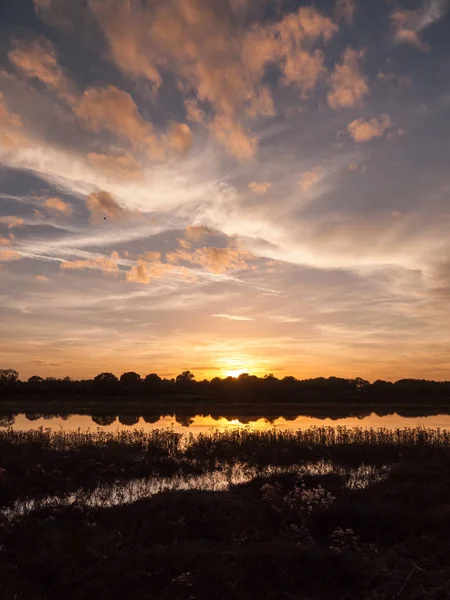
(106, 264)
(12, 221)
(408, 24)
(233, 317)
(261, 187)
(56, 205)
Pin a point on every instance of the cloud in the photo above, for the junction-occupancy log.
(57, 205)
(111, 109)
(259, 188)
(197, 232)
(401, 81)
(179, 137)
(288, 43)
(232, 317)
(234, 138)
(36, 58)
(152, 256)
(364, 131)
(345, 10)
(303, 69)
(116, 166)
(102, 203)
(41, 278)
(348, 83)
(146, 271)
(212, 259)
(106, 264)
(357, 167)
(407, 24)
(218, 60)
(9, 255)
(12, 221)
(309, 178)
(11, 126)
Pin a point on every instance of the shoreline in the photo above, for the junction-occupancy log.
(124, 406)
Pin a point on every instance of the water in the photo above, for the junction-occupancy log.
(127, 492)
(206, 423)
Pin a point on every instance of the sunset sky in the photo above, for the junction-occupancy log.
(225, 186)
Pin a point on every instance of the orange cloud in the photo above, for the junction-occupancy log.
(4, 241)
(194, 113)
(303, 69)
(125, 28)
(179, 137)
(305, 24)
(152, 256)
(221, 62)
(10, 127)
(364, 131)
(309, 178)
(116, 166)
(406, 27)
(214, 260)
(41, 278)
(345, 10)
(197, 232)
(102, 203)
(262, 104)
(288, 43)
(407, 24)
(145, 271)
(301, 66)
(348, 84)
(12, 221)
(106, 264)
(9, 255)
(111, 109)
(36, 58)
(234, 138)
(58, 206)
(259, 188)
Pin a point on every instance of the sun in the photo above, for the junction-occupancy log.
(234, 372)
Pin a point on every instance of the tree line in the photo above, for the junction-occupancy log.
(184, 387)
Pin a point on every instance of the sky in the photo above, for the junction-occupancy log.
(225, 186)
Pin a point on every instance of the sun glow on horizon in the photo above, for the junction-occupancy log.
(233, 367)
(234, 372)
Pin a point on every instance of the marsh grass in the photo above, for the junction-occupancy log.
(96, 515)
(42, 463)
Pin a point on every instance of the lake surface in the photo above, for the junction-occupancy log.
(207, 423)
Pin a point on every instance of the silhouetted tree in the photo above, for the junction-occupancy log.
(154, 418)
(105, 379)
(33, 416)
(184, 420)
(35, 380)
(361, 383)
(8, 375)
(130, 378)
(7, 420)
(128, 420)
(152, 381)
(104, 420)
(185, 377)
